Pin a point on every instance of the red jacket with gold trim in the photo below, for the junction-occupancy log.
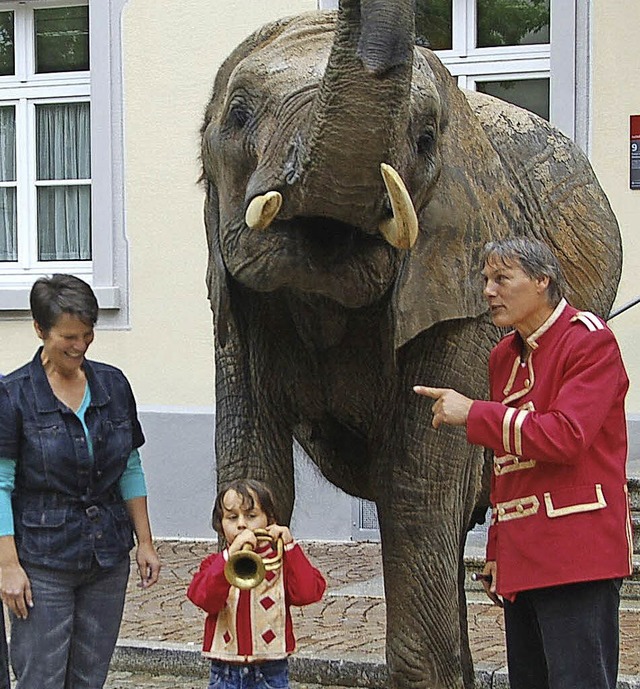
(557, 427)
(254, 625)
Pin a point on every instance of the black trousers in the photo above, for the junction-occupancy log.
(564, 637)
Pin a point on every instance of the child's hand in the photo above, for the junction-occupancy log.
(245, 536)
(276, 531)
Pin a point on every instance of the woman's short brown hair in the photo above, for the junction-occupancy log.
(50, 297)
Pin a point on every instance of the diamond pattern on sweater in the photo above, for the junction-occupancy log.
(268, 636)
(267, 602)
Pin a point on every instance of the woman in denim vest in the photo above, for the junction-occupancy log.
(72, 491)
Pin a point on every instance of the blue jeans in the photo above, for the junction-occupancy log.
(274, 674)
(68, 638)
(564, 637)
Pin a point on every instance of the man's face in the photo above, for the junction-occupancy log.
(515, 299)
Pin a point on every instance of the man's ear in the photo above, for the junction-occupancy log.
(38, 329)
(542, 284)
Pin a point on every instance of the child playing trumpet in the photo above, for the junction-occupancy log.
(251, 629)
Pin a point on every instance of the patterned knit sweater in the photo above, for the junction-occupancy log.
(254, 625)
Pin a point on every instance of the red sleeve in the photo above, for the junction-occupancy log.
(209, 588)
(593, 381)
(303, 582)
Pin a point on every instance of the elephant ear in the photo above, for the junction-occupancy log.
(217, 276)
(472, 202)
(566, 206)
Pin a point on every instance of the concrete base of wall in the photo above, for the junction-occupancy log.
(179, 464)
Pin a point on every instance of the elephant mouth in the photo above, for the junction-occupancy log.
(316, 256)
(399, 229)
(324, 240)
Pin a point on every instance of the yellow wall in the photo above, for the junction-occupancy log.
(615, 96)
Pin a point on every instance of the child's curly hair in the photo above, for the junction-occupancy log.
(246, 488)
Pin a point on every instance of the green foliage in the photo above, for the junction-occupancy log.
(506, 22)
(62, 39)
(6, 43)
(500, 22)
(433, 23)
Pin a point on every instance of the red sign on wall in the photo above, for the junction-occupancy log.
(634, 171)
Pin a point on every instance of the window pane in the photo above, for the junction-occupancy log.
(7, 144)
(512, 22)
(434, 24)
(8, 224)
(62, 39)
(63, 141)
(64, 223)
(532, 94)
(7, 57)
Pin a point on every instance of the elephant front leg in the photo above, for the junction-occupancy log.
(426, 648)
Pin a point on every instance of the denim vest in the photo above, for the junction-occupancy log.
(67, 507)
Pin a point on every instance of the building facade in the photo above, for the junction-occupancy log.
(100, 108)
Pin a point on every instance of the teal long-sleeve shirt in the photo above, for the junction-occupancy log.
(132, 482)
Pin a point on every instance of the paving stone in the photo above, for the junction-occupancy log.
(348, 624)
(130, 680)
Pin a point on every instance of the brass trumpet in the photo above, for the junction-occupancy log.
(246, 569)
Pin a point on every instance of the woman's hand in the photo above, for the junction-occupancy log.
(148, 564)
(15, 590)
(146, 556)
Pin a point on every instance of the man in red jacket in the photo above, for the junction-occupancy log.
(560, 535)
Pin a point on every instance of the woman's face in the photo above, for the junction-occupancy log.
(66, 343)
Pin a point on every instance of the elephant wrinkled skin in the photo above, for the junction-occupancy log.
(336, 286)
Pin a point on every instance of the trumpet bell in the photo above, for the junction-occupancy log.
(245, 569)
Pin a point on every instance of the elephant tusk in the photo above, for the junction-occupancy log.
(401, 231)
(262, 210)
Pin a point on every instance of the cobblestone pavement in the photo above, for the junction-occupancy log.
(128, 680)
(349, 623)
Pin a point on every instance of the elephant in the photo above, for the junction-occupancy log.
(350, 187)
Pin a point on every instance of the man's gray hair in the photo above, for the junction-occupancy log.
(535, 258)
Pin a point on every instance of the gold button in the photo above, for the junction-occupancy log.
(501, 511)
(527, 383)
(520, 508)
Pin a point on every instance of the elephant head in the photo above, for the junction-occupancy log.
(342, 161)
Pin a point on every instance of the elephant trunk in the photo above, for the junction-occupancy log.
(358, 121)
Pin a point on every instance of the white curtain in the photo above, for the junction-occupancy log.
(8, 249)
(63, 134)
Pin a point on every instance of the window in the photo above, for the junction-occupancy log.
(61, 178)
(499, 47)
(45, 156)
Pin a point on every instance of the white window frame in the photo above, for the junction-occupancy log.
(109, 274)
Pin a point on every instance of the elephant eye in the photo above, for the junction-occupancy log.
(426, 141)
(239, 115)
